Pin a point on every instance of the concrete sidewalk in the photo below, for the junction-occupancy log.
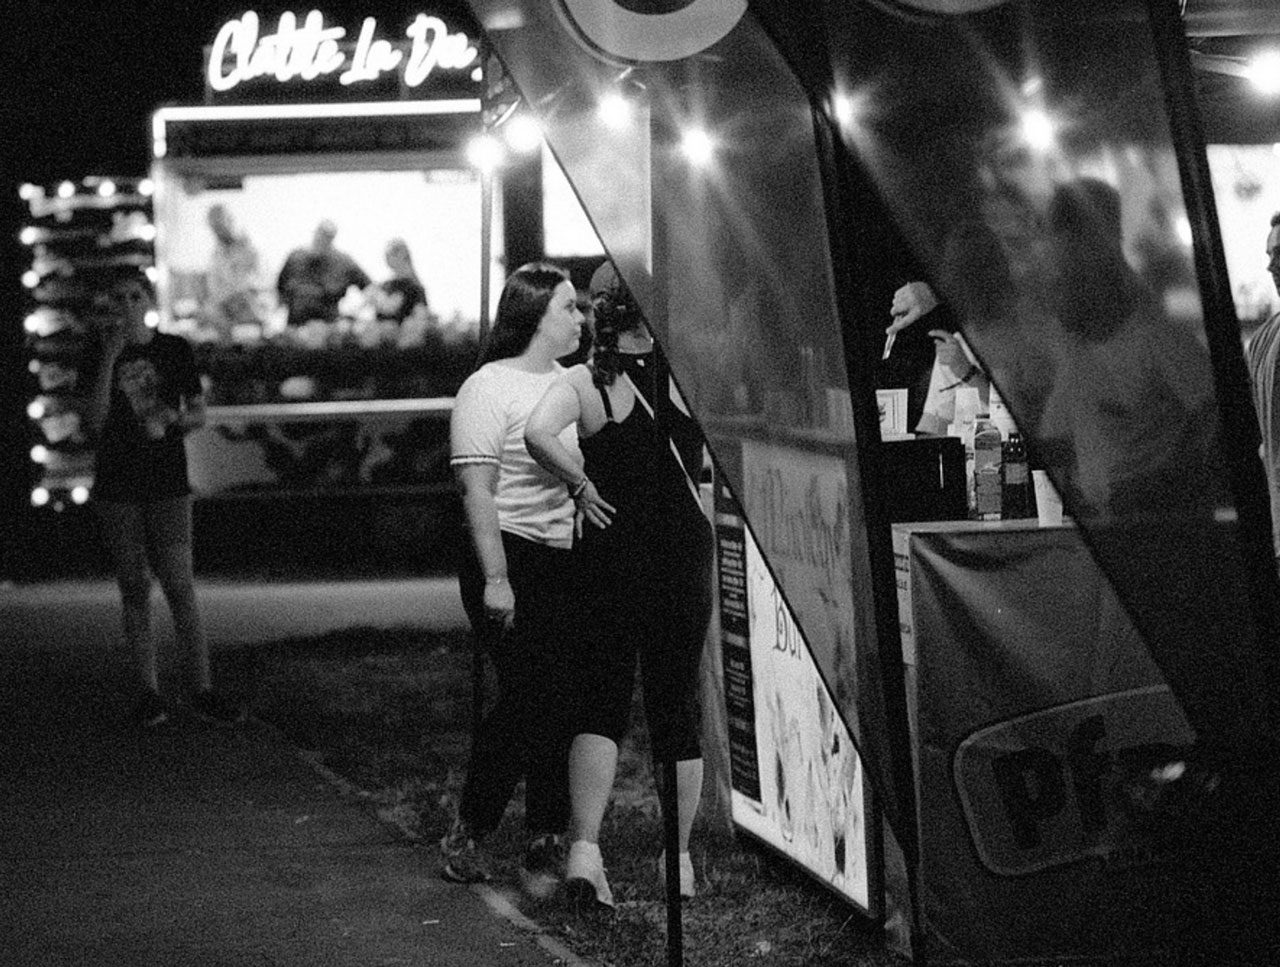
(192, 845)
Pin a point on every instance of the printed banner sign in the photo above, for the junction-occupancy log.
(1040, 718)
(800, 787)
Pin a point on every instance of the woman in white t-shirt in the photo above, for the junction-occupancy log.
(515, 585)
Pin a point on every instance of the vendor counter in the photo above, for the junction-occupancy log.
(286, 419)
(281, 371)
(1035, 712)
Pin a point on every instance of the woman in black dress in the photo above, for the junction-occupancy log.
(644, 552)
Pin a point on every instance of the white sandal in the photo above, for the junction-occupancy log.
(584, 879)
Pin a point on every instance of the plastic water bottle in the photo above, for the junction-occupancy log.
(987, 477)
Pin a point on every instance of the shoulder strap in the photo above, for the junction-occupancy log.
(604, 398)
(675, 452)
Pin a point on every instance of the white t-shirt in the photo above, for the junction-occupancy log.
(487, 426)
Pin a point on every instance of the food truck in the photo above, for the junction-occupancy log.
(1054, 720)
(330, 229)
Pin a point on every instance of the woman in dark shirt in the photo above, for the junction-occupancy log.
(145, 397)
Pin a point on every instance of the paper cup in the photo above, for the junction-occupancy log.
(1048, 503)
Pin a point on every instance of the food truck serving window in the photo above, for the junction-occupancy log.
(318, 223)
(305, 270)
(319, 241)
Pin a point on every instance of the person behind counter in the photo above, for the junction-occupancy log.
(515, 585)
(313, 280)
(403, 294)
(232, 281)
(954, 364)
(645, 552)
(144, 399)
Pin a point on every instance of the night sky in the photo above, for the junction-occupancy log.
(81, 79)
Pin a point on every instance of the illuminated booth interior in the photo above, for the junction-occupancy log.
(272, 156)
(766, 177)
(384, 144)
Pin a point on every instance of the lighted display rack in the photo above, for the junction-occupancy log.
(78, 234)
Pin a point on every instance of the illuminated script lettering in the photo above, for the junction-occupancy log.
(308, 49)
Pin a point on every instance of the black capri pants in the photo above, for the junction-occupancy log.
(652, 604)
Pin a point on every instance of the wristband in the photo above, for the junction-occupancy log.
(577, 491)
(497, 580)
(973, 371)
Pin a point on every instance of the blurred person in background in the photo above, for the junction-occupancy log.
(145, 398)
(402, 294)
(232, 282)
(313, 280)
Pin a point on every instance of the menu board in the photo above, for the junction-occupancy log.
(798, 783)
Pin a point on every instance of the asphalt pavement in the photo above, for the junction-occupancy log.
(201, 846)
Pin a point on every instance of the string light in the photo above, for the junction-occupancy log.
(615, 111)
(484, 152)
(1037, 129)
(48, 412)
(1264, 72)
(843, 109)
(697, 145)
(522, 133)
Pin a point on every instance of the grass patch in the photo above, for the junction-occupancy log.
(390, 712)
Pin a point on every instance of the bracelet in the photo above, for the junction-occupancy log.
(497, 580)
(577, 491)
(973, 371)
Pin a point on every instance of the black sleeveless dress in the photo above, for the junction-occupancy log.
(646, 586)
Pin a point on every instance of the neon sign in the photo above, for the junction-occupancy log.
(307, 50)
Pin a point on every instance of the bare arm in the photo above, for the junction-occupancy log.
(99, 399)
(478, 483)
(559, 408)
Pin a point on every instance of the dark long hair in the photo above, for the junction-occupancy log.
(524, 300)
(615, 312)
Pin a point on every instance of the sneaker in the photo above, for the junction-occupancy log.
(464, 861)
(688, 888)
(543, 865)
(212, 707)
(585, 884)
(150, 710)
